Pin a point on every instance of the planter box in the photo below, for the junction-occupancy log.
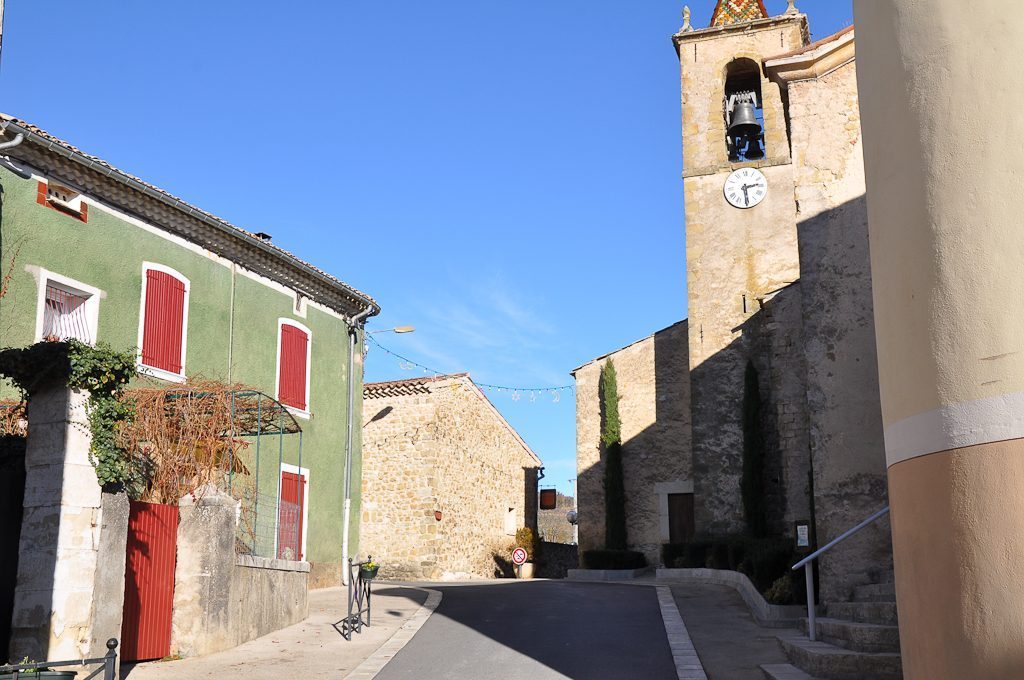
(33, 675)
(525, 570)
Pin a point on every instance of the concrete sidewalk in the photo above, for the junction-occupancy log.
(310, 649)
(728, 640)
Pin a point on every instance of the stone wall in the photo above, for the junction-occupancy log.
(399, 485)
(71, 559)
(845, 422)
(654, 395)
(439, 446)
(222, 599)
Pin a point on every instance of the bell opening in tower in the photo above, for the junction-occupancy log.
(744, 114)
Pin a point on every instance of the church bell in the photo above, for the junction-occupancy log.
(743, 127)
(743, 122)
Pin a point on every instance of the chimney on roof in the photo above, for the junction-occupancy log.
(263, 236)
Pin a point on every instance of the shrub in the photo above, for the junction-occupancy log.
(614, 559)
(527, 540)
(763, 560)
(754, 453)
(611, 448)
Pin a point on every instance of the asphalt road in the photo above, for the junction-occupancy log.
(539, 630)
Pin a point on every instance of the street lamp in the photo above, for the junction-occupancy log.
(396, 329)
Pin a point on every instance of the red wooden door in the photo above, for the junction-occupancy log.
(149, 581)
(289, 524)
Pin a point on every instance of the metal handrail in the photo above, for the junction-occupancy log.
(806, 563)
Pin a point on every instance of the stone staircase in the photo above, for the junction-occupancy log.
(857, 640)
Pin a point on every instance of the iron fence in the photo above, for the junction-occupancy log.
(27, 671)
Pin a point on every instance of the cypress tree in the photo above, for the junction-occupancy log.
(611, 445)
(752, 482)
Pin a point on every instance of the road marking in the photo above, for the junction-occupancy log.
(688, 665)
(375, 663)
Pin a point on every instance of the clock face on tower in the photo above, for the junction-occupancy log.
(746, 187)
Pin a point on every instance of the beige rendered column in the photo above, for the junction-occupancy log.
(942, 106)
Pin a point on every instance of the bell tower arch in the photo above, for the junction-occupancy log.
(741, 249)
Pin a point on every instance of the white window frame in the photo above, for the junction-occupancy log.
(91, 294)
(304, 473)
(282, 321)
(152, 371)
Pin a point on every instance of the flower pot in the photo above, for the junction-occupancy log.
(526, 570)
(365, 574)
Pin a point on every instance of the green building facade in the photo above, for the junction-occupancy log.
(73, 225)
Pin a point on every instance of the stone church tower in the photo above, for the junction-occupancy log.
(742, 257)
(779, 285)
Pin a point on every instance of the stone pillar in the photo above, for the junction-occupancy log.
(203, 574)
(942, 99)
(70, 591)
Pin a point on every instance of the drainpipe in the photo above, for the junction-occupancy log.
(18, 139)
(354, 324)
(6, 161)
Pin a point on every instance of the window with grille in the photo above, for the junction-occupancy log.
(163, 325)
(293, 370)
(65, 315)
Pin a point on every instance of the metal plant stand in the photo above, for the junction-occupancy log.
(358, 601)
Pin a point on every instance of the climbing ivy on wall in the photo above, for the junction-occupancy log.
(103, 372)
(611, 443)
(754, 452)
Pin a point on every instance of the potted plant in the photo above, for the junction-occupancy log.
(527, 540)
(367, 570)
(37, 673)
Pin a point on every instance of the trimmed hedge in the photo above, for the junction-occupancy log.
(764, 561)
(614, 559)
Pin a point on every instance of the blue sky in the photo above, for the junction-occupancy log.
(505, 177)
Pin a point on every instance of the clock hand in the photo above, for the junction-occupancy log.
(746, 199)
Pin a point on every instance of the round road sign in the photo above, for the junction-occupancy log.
(519, 556)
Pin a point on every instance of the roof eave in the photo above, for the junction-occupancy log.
(816, 61)
(357, 302)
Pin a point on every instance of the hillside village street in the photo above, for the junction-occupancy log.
(541, 630)
(775, 242)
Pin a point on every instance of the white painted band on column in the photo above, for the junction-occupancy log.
(954, 426)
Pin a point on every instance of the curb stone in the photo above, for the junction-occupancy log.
(373, 664)
(688, 665)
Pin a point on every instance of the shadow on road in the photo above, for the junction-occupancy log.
(539, 629)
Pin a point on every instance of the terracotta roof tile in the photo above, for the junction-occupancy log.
(185, 206)
(395, 388)
(813, 46)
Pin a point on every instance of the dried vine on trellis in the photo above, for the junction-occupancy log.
(12, 418)
(190, 434)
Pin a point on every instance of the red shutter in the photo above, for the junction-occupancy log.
(292, 378)
(289, 519)
(165, 314)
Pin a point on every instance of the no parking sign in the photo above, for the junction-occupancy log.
(518, 556)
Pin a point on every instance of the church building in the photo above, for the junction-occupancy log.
(780, 313)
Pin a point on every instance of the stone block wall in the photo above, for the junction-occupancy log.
(439, 446)
(654, 396)
(222, 599)
(845, 421)
(70, 588)
(399, 485)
